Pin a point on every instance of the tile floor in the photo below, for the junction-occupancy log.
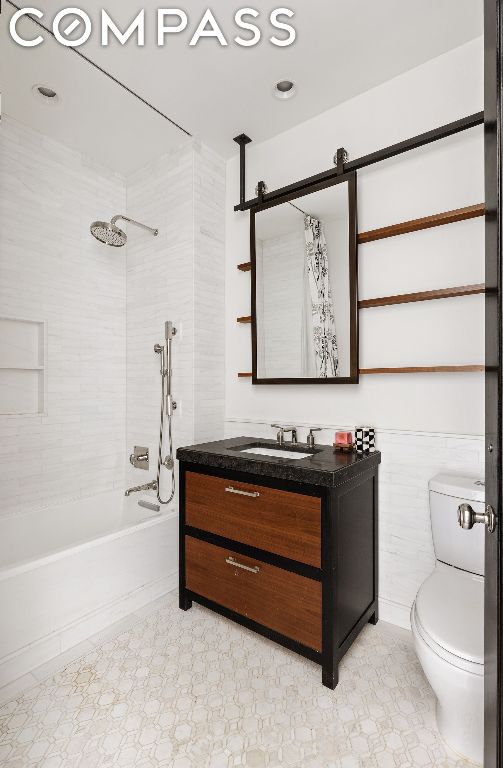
(193, 689)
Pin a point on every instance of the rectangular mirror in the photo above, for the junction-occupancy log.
(305, 286)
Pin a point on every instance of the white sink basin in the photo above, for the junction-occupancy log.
(277, 453)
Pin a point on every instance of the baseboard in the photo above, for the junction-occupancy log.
(28, 658)
(394, 613)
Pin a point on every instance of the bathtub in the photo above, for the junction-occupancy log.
(71, 570)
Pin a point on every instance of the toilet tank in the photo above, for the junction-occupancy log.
(453, 545)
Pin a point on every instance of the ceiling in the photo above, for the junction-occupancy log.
(343, 48)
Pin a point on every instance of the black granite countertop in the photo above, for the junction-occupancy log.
(324, 467)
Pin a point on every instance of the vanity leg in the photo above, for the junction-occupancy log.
(184, 602)
(330, 650)
(330, 677)
(374, 618)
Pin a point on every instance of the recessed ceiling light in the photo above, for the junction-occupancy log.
(45, 94)
(284, 89)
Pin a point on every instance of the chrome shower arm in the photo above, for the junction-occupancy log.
(132, 221)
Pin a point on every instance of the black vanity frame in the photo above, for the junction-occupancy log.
(349, 558)
(343, 178)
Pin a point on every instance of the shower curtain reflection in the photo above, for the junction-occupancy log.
(319, 352)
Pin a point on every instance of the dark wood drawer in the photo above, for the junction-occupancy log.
(282, 601)
(288, 524)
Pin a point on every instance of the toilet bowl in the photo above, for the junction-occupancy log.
(447, 617)
(447, 627)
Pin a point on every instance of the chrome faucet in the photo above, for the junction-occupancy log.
(280, 437)
(138, 488)
(310, 437)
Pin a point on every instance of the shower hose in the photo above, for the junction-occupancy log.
(168, 463)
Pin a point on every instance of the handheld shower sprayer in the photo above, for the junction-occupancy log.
(159, 350)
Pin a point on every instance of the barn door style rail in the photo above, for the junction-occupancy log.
(464, 124)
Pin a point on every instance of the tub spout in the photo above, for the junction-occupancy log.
(138, 488)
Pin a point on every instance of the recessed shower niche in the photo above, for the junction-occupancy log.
(22, 366)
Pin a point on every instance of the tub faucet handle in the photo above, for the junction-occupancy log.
(140, 457)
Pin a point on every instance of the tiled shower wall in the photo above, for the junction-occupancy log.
(52, 269)
(103, 395)
(209, 295)
(177, 276)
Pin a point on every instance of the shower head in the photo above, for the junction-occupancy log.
(110, 234)
(106, 233)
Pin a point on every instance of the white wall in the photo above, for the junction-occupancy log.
(52, 269)
(425, 422)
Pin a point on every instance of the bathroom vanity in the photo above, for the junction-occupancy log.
(283, 542)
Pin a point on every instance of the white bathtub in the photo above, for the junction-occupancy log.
(69, 571)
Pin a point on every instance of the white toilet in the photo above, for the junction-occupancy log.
(448, 616)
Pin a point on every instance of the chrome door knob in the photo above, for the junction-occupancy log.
(467, 517)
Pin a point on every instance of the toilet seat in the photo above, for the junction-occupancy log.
(448, 615)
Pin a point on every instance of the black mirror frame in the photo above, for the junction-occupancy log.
(353, 378)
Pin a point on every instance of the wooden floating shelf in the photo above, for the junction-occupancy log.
(245, 267)
(414, 225)
(425, 369)
(427, 222)
(410, 369)
(407, 298)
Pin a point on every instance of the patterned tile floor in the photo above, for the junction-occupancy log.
(193, 689)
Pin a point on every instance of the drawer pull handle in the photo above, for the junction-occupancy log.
(252, 494)
(231, 561)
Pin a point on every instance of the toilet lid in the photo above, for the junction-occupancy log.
(450, 609)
